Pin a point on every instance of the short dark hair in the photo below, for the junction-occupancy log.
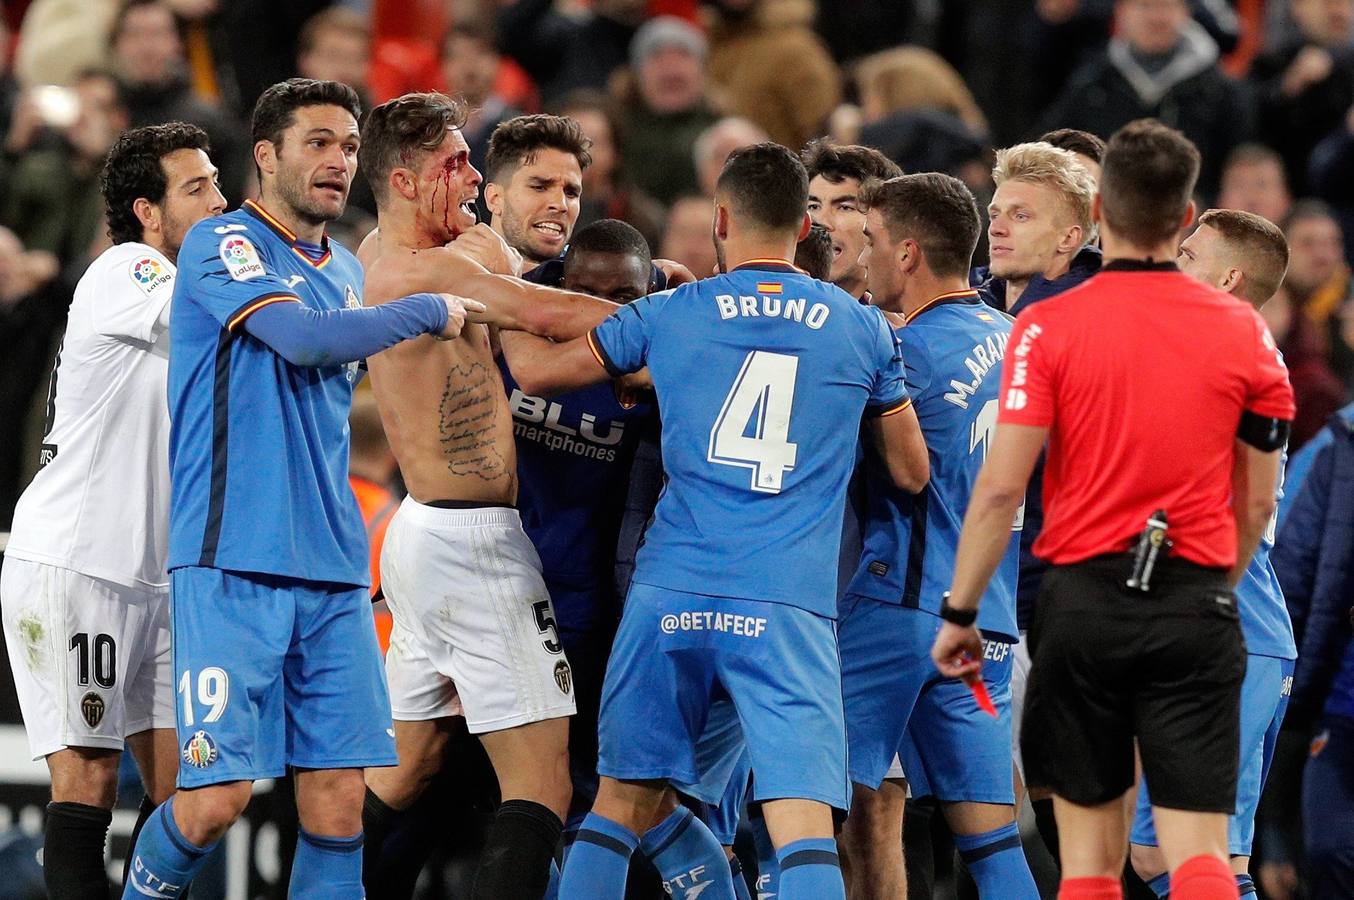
(276, 108)
(1077, 141)
(767, 185)
(1250, 154)
(516, 142)
(133, 169)
(838, 162)
(609, 236)
(1147, 181)
(814, 253)
(399, 131)
(937, 211)
(1259, 242)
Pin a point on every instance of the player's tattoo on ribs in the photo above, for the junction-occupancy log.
(466, 423)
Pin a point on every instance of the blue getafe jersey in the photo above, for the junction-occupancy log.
(573, 464)
(952, 348)
(258, 448)
(762, 376)
(1264, 615)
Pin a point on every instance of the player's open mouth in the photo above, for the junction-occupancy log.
(550, 229)
(335, 186)
(468, 208)
(836, 250)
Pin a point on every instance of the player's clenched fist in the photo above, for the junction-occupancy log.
(459, 311)
(487, 247)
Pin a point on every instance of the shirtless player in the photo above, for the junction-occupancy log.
(474, 632)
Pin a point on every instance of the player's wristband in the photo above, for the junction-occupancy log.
(961, 617)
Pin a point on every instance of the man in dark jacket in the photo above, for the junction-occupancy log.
(563, 53)
(1314, 559)
(1161, 64)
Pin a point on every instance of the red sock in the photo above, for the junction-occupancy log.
(1098, 888)
(1203, 878)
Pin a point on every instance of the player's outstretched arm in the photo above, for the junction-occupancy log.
(308, 337)
(544, 368)
(898, 440)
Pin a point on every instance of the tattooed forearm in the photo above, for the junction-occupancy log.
(466, 423)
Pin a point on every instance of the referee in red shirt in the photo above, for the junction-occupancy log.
(1160, 398)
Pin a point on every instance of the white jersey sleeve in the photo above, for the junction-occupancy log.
(136, 289)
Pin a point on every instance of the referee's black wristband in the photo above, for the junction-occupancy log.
(961, 617)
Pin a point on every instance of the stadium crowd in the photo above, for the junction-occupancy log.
(665, 91)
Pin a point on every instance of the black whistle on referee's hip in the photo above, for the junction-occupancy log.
(1151, 544)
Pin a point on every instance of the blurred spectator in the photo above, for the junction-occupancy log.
(1253, 180)
(32, 306)
(918, 111)
(667, 109)
(767, 65)
(1306, 82)
(470, 66)
(148, 56)
(9, 86)
(566, 52)
(716, 143)
(1317, 288)
(1163, 64)
(52, 200)
(59, 39)
(689, 236)
(606, 195)
(335, 45)
(1328, 174)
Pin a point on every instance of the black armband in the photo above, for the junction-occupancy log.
(961, 617)
(1262, 432)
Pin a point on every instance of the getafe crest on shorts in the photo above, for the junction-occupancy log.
(199, 751)
(92, 709)
(563, 676)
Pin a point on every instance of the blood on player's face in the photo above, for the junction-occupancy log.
(447, 188)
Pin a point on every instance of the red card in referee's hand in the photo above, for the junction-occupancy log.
(979, 688)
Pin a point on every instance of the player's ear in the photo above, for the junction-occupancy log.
(908, 256)
(493, 198)
(147, 213)
(721, 221)
(1190, 210)
(1072, 240)
(403, 182)
(804, 227)
(1231, 280)
(1095, 208)
(265, 157)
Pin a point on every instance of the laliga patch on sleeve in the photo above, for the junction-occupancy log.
(150, 275)
(241, 259)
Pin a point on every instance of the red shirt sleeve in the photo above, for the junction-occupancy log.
(1027, 376)
(1270, 394)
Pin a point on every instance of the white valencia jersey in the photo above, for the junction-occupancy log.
(99, 504)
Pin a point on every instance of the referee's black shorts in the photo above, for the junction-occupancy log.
(1111, 664)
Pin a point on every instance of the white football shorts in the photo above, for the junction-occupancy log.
(91, 658)
(474, 630)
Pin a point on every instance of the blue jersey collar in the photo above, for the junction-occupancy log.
(968, 295)
(303, 249)
(769, 265)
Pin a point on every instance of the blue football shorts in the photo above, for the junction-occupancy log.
(677, 653)
(897, 703)
(274, 672)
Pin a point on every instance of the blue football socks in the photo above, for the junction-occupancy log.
(997, 863)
